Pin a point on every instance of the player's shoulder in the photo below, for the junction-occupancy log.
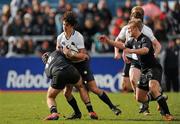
(125, 27)
(60, 35)
(146, 28)
(77, 33)
(145, 38)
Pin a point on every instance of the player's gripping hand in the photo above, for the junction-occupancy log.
(103, 38)
(45, 57)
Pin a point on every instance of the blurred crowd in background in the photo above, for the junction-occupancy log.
(30, 27)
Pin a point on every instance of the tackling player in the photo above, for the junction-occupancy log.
(69, 37)
(59, 69)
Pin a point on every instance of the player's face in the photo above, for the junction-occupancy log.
(67, 27)
(132, 30)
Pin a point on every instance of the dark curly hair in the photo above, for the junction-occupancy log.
(69, 17)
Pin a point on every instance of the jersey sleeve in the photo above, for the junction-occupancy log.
(80, 43)
(59, 39)
(146, 42)
(129, 44)
(122, 34)
(148, 32)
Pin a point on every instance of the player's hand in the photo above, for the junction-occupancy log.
(103, 38)
(127, 50)
(117, 55)
(67, 52)
(126, 60)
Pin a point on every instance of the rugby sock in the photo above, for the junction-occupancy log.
(53, 109)
(72, 102)
(163, 105)
(106, 100)
(89, 107)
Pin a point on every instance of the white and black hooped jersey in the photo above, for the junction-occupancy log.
(76, 39)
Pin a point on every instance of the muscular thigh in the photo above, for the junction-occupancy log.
(134, 74)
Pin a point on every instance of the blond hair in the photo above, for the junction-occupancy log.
(136, 23)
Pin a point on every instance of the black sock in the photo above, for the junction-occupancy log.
(89, 107)
(106, 100)
(53, 109)
(150, 97)
(163, 105)
(72, 102)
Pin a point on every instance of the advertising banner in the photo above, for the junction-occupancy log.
(19, 74)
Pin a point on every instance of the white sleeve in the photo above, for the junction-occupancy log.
(122, 34)
(59, 39)
(80, 43)
(148, 32)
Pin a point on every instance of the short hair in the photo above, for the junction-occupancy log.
(70, 18)
(137, 12)
(136, 23)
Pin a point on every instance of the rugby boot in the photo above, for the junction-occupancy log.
(53, 116)
(116, 110)
(75, 116)
(144, 108)
(93, 115)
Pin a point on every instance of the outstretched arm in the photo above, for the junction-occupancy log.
(105, 39)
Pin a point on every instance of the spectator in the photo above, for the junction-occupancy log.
(44, 47)
(4, 26)
(171, 66)
(27, 25)
(174, 19)
(16, 26)
(3, 47)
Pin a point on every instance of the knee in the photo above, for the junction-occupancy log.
(138, 98)
(153, 87)
(51, 95)
(67, 94)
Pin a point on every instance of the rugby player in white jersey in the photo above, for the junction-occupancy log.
(67, 41)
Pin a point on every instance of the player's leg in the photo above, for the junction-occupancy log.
(155, 88)
(77, 81)
(125, 80)
(72, 102)
(103, 96)
(51, 96)
(154, 76)
(134, 75)
(85, 98)
(88, 79)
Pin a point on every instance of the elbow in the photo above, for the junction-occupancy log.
(146, 50)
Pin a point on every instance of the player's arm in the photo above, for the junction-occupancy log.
(58, 47)
(146, 44)
(105, 39)
(155, 42)
(140, 51)
(156, 46)
(117, 54)
(120, 38)
(76, 56)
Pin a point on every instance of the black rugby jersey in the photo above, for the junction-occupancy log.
(148, 60)
(56, 61)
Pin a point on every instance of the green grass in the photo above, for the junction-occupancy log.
(30, 108)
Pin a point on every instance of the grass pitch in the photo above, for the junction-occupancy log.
(31, 108)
